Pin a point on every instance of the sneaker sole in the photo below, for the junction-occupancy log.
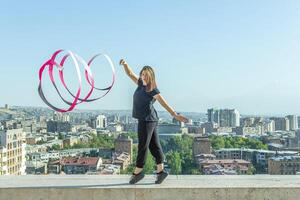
(137, 179)
(164, 176)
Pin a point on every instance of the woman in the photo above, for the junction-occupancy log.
(143, 99)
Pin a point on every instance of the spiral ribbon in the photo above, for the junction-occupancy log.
(54, 62)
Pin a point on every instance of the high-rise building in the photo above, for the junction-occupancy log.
(281, 123)
(213, 115)
(269, 126)
(224, 117)
(12, 151)
(234, 117)
(293, 122)
(101, 121)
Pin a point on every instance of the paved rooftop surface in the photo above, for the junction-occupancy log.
(121, 181)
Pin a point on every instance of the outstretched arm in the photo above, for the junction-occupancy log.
(164, 103)
(129, 71)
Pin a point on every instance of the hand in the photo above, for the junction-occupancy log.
(123, 62)
(181, 118)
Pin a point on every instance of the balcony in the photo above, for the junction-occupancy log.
(111, 187)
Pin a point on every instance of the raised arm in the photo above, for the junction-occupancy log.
(164, 103)
(129, 71)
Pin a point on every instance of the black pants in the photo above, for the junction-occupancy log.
(148, 138)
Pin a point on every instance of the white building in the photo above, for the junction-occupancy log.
(293, 122)
(224, 117)
(12, 143)
(269, 126)
(101, 121)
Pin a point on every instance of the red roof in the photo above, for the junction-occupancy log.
(79, 161)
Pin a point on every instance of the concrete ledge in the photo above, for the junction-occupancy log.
(72, 187)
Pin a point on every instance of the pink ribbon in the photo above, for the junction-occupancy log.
(88, 76)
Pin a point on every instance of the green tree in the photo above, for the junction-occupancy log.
(174, 162)
(228, 143)
(149, 164)
(80, 145)
(217, 142)
(132, 135)
(56, 147)
(251, 170)
(187, 161)
(60, 136)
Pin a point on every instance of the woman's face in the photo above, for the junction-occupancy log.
(144, 77)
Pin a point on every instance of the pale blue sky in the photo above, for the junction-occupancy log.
(235, 54)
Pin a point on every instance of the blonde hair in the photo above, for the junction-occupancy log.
(149, 78)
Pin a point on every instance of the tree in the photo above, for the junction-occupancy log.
(174, 161)
(55, 147)
(217, 142)
(149, 164)
(60, 136)
(187, 161)
(251, 170)
(80, 145)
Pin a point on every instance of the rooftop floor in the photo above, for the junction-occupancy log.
(175, 187)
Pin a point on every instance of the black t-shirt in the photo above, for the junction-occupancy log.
(143, 103)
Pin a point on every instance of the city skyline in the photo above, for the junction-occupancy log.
(229, 55)
(161, 111)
